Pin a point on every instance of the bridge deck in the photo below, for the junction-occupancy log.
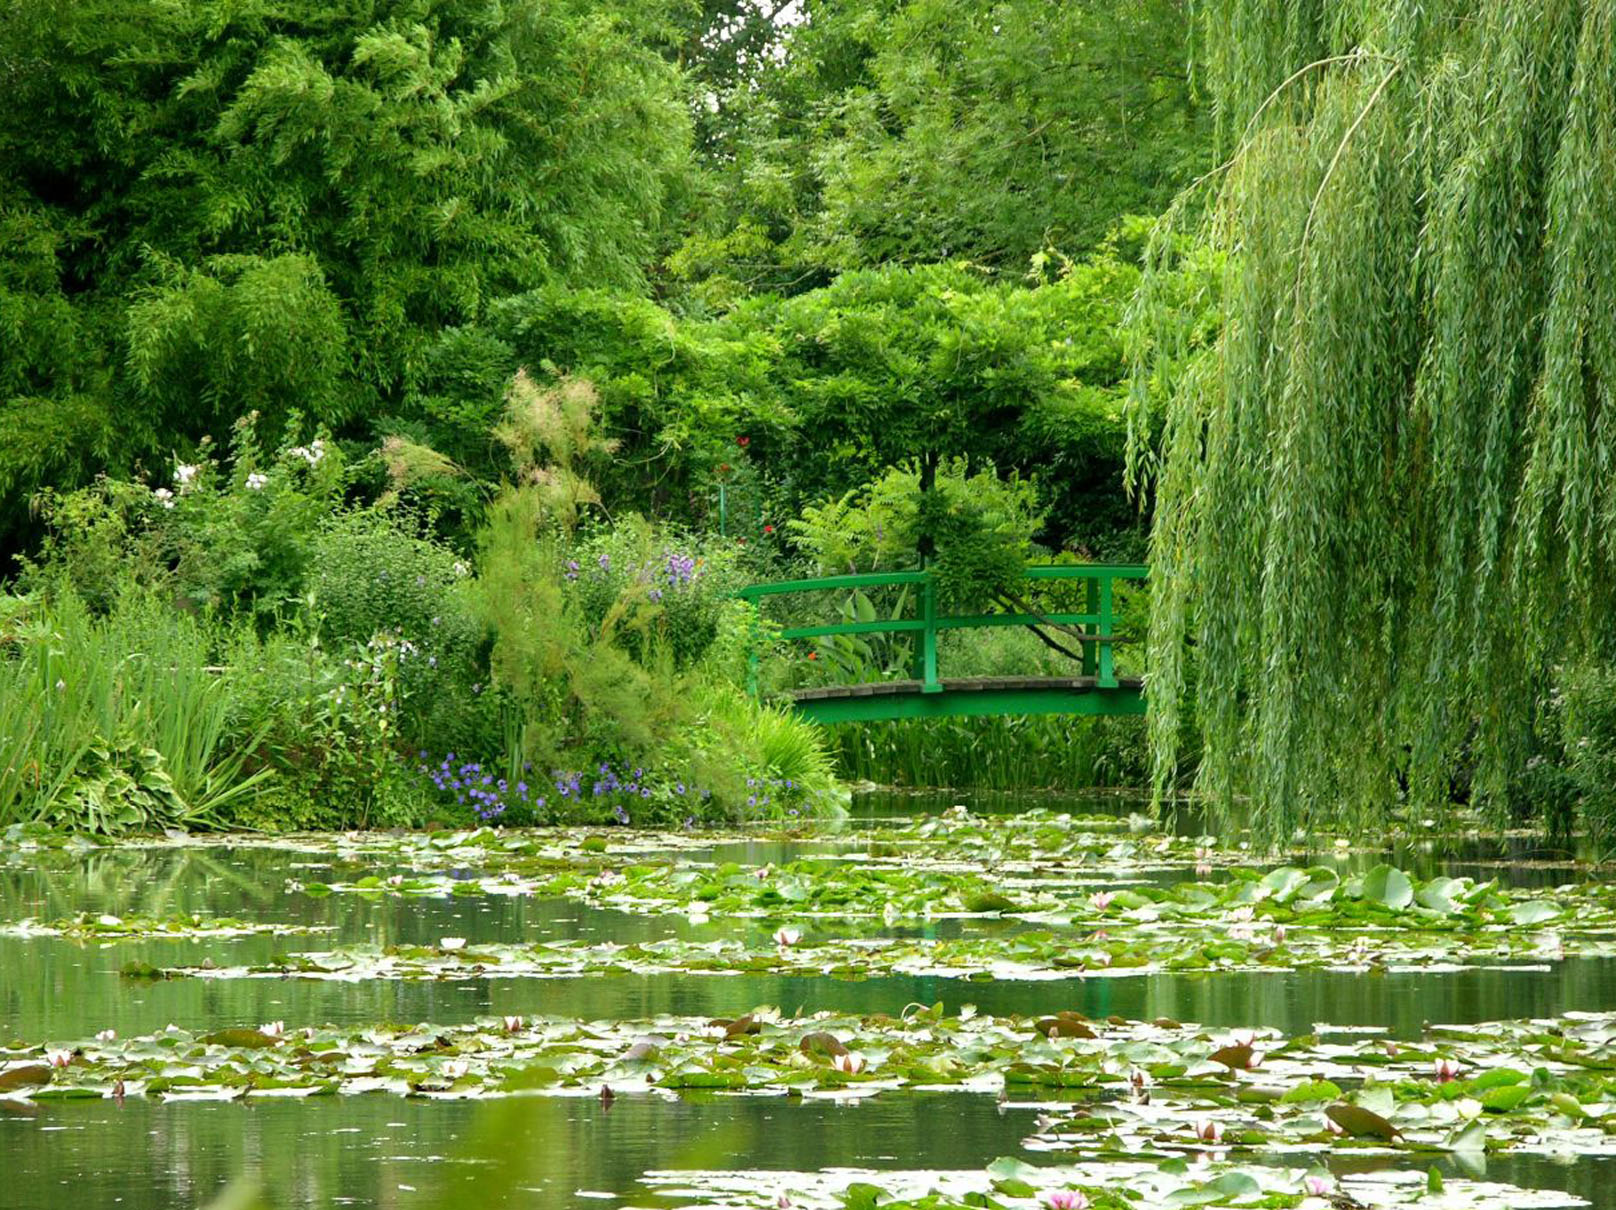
(970, 695)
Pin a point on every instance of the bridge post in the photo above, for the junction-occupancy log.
(1091, 605)
(1107, 678)
(928, 637)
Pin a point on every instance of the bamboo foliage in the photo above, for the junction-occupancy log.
(1386, 496)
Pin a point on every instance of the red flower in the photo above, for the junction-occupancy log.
(723, 468)
(768, 529)
(813, 655)
(743, 441)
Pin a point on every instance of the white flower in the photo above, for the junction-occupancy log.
(164, 496)
(256, 481)
(184, 474)
(452, 943)
(455, 1068)
(58, 1058)
(462, 568)
(1445, 1070)
(787, 936)
(1208, 1131)
(107, 1035)
(272, 1029)
(513, 1024)
(849, 1063)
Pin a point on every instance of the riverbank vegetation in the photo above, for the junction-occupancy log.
(394, 399)
(415, 383)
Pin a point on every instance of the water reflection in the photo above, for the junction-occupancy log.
(383, 1151)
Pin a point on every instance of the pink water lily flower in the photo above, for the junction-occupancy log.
(1445, 1070)
(1316, 1186)
(513, 1024)
(849, 1063)
(1101, 900)
(58, 1058)
(1066, 1199)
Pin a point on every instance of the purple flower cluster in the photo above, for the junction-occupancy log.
(681, 569)
(487, 793)
(763, 790)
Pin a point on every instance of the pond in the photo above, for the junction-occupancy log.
(180, 1140)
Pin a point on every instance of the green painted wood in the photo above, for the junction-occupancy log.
(945, 702)
(928, 693)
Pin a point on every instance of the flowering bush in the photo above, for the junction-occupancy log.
(676, 586)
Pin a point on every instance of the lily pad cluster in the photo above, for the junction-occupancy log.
(89, 926)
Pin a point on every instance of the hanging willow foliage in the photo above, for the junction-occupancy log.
(1386, 495)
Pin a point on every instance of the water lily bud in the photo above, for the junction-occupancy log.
(1066, 1199)
(1209, 1131)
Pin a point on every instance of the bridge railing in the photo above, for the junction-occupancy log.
(1093, 626)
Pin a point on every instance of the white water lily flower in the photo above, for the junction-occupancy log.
(850, 1063)
(787, 936)
(455, 1068)
(1209, 1131)
(513, 1024)
(58, 1058)
(107, 1035)
(452, 943)
(109, 920)
(272, 1029)
(1445, 1070)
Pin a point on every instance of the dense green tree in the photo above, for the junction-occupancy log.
(827, 390)
(1385, 499)
(208, 206)
(930, 130)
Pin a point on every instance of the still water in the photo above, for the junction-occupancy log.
(385, 1151)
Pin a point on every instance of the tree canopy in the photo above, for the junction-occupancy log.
(1384, 500)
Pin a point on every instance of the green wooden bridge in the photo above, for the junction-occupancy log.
(1086, 616)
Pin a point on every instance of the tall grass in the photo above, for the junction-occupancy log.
(1032, 752)
(71, 682)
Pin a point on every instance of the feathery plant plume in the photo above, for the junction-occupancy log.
(554, 423)
(1386, 495)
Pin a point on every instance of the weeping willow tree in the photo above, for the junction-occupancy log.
(1386, 492)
